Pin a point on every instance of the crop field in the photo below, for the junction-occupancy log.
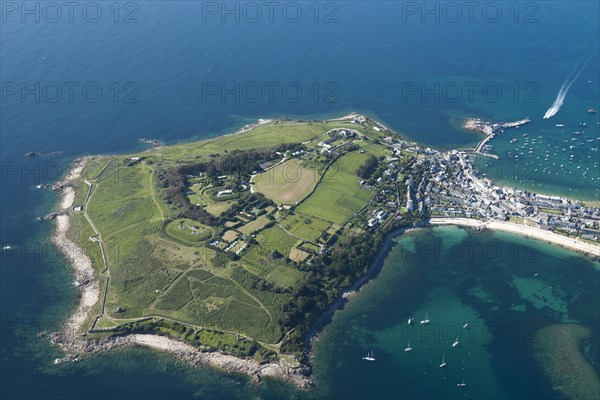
(276, 239)
(287, 183)
(259, 262)
(217, 209)
(296, 254)
(255, 225)
(310, 247)
(304, 226)
(339, 194)
(229, 236)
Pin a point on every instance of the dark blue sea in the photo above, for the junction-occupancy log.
(95, 77)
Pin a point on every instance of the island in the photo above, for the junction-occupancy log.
(228, 251)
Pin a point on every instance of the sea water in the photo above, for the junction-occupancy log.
(153, 75)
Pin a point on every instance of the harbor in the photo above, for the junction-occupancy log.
(490, 129)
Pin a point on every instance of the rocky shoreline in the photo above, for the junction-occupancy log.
(73, 342)
(76, 348)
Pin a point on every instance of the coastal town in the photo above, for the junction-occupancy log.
(417, 180)
(453, 188)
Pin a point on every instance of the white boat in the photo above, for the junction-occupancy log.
(443, 364)
(408, 348)
(462, 384)
(456, 343)
(410, 320)
(369, 356)
(465, 325)
(560, 125)
(426, 320)
(7, 247)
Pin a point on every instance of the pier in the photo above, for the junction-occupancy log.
(491, 129)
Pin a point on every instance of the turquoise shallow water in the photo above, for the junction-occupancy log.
(371, 55)
(504, 287)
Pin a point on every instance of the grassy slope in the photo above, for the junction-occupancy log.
(153, 274)
(263, 136)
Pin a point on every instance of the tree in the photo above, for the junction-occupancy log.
(366, 170)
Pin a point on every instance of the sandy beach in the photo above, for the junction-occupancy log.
(524, 230)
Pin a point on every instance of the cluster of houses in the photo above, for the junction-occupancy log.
(327, 145)
(378, 218)
(453, 188)
(446, 184)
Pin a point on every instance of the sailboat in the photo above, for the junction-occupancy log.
(408, 348)
(456, 343)
(443, 364)
(410, 320)
(369, 356)
(426, 320)
(462, 384)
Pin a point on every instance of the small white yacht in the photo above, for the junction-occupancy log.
(443, 364)
(369, 356)
(462, 384)
(455, 343)
(426, 320)
(408, 348)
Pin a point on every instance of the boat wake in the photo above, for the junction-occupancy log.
(564, 88)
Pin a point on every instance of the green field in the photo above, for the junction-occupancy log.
(339, 195)
(276, 239)
(255, 225)
(305, 226)
(197, 198)
(287, 183)
(172, 272)
(262, 136)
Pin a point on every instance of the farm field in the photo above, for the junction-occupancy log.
(339, 194)
(255, 225)
(276, 239)
(305, 226)
(287, 183)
